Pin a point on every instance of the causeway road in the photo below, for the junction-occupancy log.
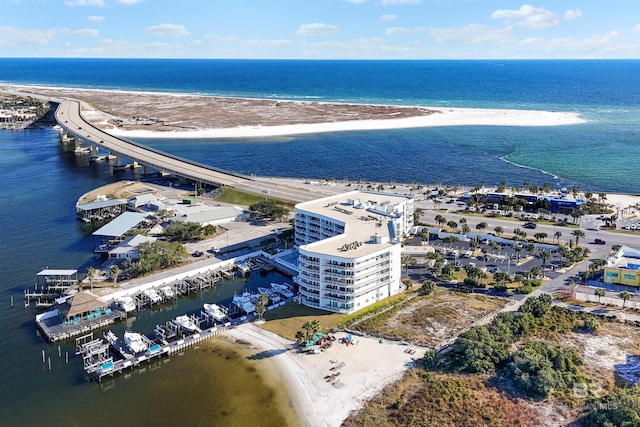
(69, 117)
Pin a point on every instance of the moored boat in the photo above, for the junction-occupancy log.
(134, 342)
(153, 296)
(186, 323)
(126, 303)
(243, 302)
(168, 292)
(283, 290)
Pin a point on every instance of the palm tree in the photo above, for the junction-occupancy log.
(600, 292)
(428, 287)
(440, 219)
(315, 326)
(425, 234)
(577, 234)
(465, 229)
(557, 236)
(407, 260)
(481, 226)
(518, 249)
(545, 255)
(300, 337)
(540, 236)
(114, 272)
(416, 215)
(261, 306)
(91, 274)
(498, 230)
(452, 225)
(625, 297)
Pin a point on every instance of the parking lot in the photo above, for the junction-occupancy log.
(498, 257)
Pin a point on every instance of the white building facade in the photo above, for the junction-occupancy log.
(350, 248)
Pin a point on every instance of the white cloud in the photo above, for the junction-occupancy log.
(168, 30)
(12, 36)
(392, 31)
(316, 29)
(636, 28)
(389, 2)
(128, 2)
(95, 18)
(356, 1)
(472, 33)
(89, 32)
(269, 43)
(527, 16)
(572, 14)
(72, 3)
(389, 17)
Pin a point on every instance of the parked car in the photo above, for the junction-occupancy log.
(530, 225)
(599, 242)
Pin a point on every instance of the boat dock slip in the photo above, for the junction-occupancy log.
(98, 363)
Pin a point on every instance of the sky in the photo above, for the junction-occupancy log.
(321, 29)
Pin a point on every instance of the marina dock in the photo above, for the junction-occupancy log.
(108, 356)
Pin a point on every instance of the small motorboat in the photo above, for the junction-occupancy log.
(186, 323)
(218, 313)
(134, 342)
(153, 296)
(168, 292)
(126, 303)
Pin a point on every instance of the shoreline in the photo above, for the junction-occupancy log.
(294, 117)
(441, 118)
(319, 403)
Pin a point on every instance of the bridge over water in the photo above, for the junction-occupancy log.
(69, 116)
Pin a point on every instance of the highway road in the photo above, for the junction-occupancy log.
(69, 117)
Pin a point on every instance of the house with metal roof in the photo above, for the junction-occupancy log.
(110, 235)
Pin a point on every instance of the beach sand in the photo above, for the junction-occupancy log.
(148, 114)
(369, 366)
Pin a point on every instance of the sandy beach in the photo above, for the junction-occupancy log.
(152, 114)
(368, 367)
(442, 117)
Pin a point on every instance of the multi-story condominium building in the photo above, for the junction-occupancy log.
(349, 248)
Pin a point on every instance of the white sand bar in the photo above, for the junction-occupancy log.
(442, 117)
(368, 367)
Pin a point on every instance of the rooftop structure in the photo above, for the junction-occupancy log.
(350, 248)
(623, 267)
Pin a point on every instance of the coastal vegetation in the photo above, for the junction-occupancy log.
(155, 256)
(500, 373)
(183, 231)
(269, 209)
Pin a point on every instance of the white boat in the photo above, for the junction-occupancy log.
(271, 294)
(168, 292)
(214, 310)
(153, 296)
(134, 342)
(283, 290)
(243, 302)
(126, 303)
(186, 323)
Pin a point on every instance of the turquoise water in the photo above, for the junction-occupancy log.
(41, 184)
(597, 155)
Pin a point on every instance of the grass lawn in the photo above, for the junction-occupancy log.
(246, 198)
(288, 319)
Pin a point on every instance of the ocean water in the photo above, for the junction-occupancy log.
(598, 155)
(41, 184)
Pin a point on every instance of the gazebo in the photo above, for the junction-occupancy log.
(82, 305)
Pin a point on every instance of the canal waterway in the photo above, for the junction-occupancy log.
(213, 384)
